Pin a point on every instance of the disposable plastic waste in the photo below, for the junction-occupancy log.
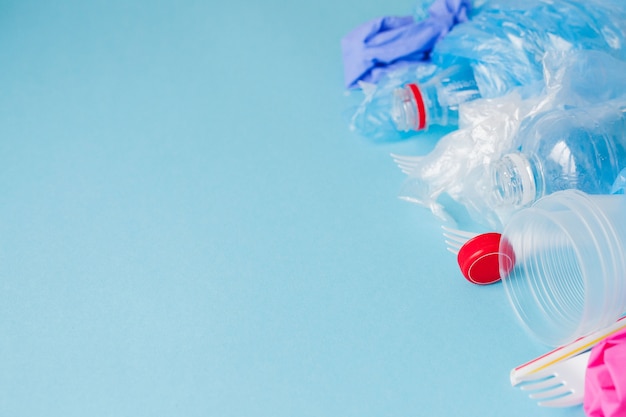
(505, 40)
(455, 170)
(500, 48)
(413, 100)
(558, 132)
(580, 148)
(391, 42)
(570, 257)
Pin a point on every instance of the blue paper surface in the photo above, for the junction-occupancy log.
(187, 228)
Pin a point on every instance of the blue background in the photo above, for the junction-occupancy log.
(188, 228)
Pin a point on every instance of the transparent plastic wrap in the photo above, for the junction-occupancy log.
(456, 166)
(460, 168)
(576, 78)
(505, 40)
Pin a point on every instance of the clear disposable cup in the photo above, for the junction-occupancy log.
(569, 277)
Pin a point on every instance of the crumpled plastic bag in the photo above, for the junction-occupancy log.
(506, 39)
(605, 379)
(458, 163)
(392, 42)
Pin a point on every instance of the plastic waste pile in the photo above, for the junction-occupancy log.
(510, 151)
(530, 170)
(484, 51)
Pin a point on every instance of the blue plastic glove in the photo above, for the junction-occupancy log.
(391, 42)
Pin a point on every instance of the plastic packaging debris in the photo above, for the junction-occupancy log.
(456, 167)
(400, 105)
(461, 165)
(505, 40)
(500, 48)
(580, 148)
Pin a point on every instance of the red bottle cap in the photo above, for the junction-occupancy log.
(479, 259)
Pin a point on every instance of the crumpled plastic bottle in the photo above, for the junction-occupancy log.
(500, 48)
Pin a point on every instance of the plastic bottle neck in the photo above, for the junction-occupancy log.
(408, 110)
(514, 181)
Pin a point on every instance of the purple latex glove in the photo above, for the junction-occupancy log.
(390, 42)
(605, 379)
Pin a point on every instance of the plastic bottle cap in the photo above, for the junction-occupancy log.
(479, 259)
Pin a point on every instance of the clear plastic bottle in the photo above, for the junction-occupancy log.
(582, 148)
(435, 100)
(414, 100)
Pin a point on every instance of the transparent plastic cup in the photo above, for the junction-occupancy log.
(569, 277)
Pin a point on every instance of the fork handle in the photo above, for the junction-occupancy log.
(566, 351)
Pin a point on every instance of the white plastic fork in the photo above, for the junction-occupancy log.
(407, 164)
(559, 385)
(456, 238)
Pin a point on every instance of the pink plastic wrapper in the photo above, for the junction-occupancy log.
(605, 380)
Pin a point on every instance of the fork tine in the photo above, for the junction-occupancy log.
(558, 391)
(405, 167)
(406, 170)
(538, 376)
(560, 384)
(540, 385)
(459, 233)
(405, 158)
(407, 164)
(565, 401)
(455, 239)
(453, 246)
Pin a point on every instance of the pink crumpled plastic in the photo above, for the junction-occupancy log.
(605, 380)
